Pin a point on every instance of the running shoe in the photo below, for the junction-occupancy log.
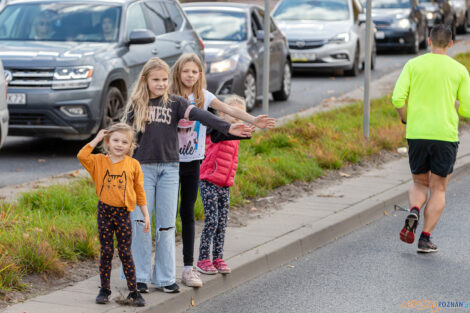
(407, 233)
(425, 245)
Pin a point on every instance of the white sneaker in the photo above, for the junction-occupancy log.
(191, 278)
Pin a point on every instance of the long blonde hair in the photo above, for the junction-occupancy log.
(176, 85)
(123, 128)
(140, 96)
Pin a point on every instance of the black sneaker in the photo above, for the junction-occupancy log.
(174, 288)
(142, 287)
(407, 233)
(425, 245)
(103, 296)
(136, 298)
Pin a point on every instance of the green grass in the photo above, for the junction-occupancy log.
(49, 227)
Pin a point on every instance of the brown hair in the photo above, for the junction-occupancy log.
(122, 128)
(441, 35)
(139, 99)
(176, 85)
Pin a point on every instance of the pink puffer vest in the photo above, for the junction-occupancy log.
(220, 165)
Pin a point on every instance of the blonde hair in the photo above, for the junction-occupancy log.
(176, 85)
(122, 128)
(140, 96)
(233, 100)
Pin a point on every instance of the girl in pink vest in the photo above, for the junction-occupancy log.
(217, 175)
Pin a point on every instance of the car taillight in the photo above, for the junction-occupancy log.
(201, 42)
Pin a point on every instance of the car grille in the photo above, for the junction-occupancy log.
(38, 78)
(306, 44)
(30, 119)
(380, 23)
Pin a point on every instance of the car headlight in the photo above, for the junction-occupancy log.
(340, 38)
(430, 15)
(403, 23)
(72, 77)
(224, 65)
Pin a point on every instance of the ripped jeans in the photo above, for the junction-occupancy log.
(161, 190)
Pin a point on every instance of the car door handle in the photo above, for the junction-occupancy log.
(155, 51)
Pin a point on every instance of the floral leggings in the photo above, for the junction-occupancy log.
(110, 220)
(216, 202)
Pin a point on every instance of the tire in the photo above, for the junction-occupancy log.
(424, 43)
(114, 107)
(373, 60)
(354, 71)
(249, 91)
(454, 30)
(284, 93)
(414, 49)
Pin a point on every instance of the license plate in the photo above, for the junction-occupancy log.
(303, 57)
(379, 35)
(16, 98)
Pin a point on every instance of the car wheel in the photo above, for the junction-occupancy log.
(414, 49)
(250, 90)
(354, 71)
(373, 57)
(424, 43)
(114, 107)
(284, 93)
(454, 30)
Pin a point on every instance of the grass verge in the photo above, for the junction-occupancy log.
(49, 227)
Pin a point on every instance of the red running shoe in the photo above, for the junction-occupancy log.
(407, 233)
(221, 266)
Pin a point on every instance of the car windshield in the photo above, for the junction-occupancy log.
(391, 4)
(316, 10)
(219, 25)
(60, 22)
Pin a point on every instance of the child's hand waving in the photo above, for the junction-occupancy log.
(99, 137)
(241, 130)
(264, 121)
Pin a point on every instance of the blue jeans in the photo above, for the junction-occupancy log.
(161, 190)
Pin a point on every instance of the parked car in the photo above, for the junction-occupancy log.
(400, 24)
(73, 63)
(440, 11)
(233, 35)
(324, 34)
(461, 8)
(3, 106)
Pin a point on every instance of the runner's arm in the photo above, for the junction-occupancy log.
(401, 91)
(463, 96)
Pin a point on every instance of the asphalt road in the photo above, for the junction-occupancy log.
(24, 159)
(367, 271)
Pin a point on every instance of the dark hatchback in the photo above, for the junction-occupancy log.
(233, 36)
(400, 24)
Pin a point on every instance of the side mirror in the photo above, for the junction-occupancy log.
(362, 18)
(260, 35)
(141, 36)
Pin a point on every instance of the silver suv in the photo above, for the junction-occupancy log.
(71, 64)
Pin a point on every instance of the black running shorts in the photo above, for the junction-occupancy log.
(432, 155)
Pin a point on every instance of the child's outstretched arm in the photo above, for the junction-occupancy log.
(239, 129)
(260, 121)
(84, 155)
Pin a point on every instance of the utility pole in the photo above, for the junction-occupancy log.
(267, 44)
(366, 106)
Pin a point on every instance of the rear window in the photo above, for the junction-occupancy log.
(60, 22)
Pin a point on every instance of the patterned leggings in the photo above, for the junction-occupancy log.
(115, 219)
(216, 202)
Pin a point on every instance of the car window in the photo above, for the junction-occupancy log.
(316, 10)
(356, 10)
(219, 25)
(157, 21)
(174, 13)
(57, 21)
(135, 19)
(261, 17)
(391, 4)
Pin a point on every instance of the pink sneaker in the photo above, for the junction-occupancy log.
(206, 267)
(221, 266)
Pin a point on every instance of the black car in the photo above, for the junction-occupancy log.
(440, 12)
(400, 24)
(233, 36)
(71, 63)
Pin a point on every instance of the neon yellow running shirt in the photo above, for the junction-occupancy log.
(431, 83)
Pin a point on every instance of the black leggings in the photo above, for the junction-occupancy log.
(115, 220)
(189, 182)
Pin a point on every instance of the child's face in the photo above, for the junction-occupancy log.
(189, 74)
(157, 82)
(119, 144)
